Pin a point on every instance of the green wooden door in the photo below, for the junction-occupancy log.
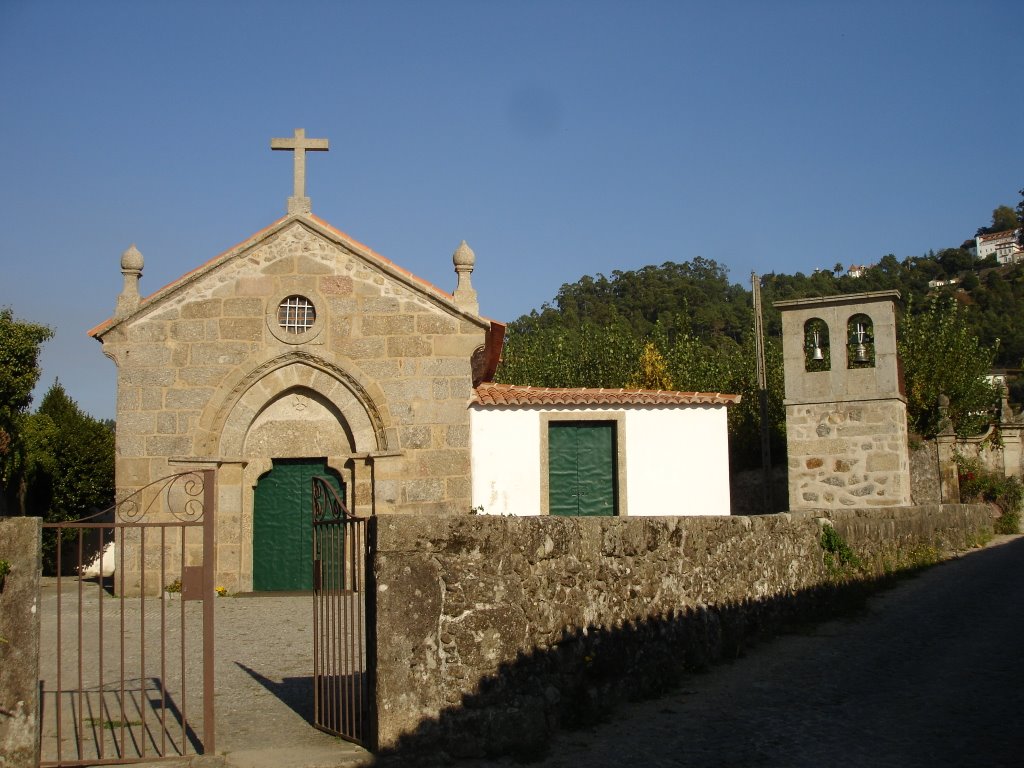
(581, 468)
(282, 529)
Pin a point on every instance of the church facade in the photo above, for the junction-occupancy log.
(298, 352)
(301, 352)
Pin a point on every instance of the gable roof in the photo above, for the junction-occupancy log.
(490, 394)
(1008, 234)
(314, 224)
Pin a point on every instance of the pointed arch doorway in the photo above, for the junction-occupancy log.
(282, 545)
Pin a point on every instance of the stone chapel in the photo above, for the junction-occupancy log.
(298, 352)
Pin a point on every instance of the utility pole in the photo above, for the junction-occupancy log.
(762, 398)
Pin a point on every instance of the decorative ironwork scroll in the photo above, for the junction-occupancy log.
(183, 493)
(327, 505)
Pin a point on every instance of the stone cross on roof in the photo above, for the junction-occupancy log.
(299, 144)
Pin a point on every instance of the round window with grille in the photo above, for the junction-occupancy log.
(296, 314)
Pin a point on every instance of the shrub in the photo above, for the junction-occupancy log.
(979, 484)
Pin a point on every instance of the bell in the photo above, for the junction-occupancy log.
(861, 354)
(817, 354)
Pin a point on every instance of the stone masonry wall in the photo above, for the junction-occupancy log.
(378, 386)
(492, 632)
(19, 642)
(411, 358)
(848, 454)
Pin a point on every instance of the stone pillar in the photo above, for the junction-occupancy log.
(230, 540)
(949, 478)
(20, 547)
(1011, 435)
(362, 486)
(387, 473)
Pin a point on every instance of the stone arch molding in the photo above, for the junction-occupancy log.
(225, 423)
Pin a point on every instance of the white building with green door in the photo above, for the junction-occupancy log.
(548, 451)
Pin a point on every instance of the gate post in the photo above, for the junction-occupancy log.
(20, 547)
(370, 597)
(209, 574)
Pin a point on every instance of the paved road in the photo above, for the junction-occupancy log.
(931, 674)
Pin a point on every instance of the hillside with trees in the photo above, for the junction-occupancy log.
(687, 326)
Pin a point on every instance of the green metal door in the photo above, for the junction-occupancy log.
(282, 529)
(581, 468)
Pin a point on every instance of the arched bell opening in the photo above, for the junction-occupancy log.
(817, 351)
(860, 342)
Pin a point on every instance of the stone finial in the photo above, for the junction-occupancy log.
(945, 425)
(131, 268)
(464, 260)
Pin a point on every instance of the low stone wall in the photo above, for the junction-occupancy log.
(20, 546)
(493, 632)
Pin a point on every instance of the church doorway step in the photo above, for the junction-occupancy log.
(282, 546)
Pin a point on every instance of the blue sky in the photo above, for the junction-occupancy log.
(558, 138)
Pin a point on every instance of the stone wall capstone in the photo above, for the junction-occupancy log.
(494, 631)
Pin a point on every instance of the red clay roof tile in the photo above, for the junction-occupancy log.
(1007, 234)
(512, 395)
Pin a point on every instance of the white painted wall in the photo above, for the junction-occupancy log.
(505, 460)
(677, 459)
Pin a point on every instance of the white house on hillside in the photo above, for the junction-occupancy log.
(857, 270)
(540, 451)
(1003, 244)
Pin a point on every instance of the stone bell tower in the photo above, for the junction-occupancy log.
(846, 413)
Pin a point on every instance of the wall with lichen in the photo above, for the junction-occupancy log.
(19, 642)
(491, 632)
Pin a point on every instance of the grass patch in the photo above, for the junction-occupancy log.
(841, 562)
(94, 721)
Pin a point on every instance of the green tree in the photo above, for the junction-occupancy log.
(20, 343)
(940, 355)
(1003, 218)
(538, 352)
(954, 261)
(69, 461)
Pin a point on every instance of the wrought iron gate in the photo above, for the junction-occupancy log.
(342, 673)
(121, 659)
